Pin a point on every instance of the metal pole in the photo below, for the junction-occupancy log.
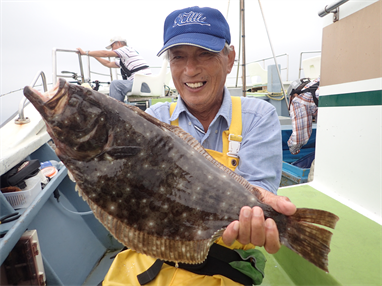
(274, 57)
(89, 72)
(239, 55)
(81, 68)
(329, 8)
(54, 66)
(243, 73)
(22, 119)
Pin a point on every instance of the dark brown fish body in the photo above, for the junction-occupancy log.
(152, 185)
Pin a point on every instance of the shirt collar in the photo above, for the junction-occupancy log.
(225, 110)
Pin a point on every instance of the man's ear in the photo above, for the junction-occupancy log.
(231, 59)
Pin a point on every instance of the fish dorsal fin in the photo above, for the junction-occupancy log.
(190, 140)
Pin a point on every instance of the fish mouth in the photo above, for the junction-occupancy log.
(47, 99)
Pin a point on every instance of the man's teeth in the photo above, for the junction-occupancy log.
(195, 84)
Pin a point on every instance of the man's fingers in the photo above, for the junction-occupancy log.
(245, 225)
(231, 233)
(272, 243)
(285, 206)
(257, 227)
(279, 203)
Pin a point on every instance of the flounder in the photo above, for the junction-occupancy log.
(153, 186)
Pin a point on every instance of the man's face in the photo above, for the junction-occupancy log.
(116, 45)
(199, 75)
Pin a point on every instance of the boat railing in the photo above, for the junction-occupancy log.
(332, 8)
(54, 67)
(112, 74)
(22, 119)
(286, 68)
(301, 55)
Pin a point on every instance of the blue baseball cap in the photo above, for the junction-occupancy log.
(202, 27)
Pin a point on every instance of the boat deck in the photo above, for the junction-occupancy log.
(355, 257)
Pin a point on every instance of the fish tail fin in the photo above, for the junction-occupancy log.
(316, 216)
(309, 240)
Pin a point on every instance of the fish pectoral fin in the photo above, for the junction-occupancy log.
(118, 152)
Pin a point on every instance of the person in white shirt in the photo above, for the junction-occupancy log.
(128, 59)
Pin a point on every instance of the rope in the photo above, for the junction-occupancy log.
(269, 95)
(4, 94)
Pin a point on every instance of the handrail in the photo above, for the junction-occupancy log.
(263, 61)
(331, 7)
(54, 62)
(22, 119)
(90, 72)
(278, 56)
(299, 66)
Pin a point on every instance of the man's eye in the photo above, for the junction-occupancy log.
(207, 54)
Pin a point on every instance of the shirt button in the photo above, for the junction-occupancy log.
(216, 131)
(189, 123)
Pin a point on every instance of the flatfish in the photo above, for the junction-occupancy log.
(153, 186)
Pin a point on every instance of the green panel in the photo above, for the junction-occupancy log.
(352, 99)
(356, 247)
(156, 100)
(274, 273)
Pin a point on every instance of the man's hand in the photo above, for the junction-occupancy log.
(252, 228)
(81, 51)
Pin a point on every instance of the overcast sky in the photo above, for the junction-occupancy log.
(31, 29)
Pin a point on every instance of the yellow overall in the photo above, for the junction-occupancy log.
(128, 264)
(231, 135)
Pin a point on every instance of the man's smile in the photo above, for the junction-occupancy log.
(195, 84)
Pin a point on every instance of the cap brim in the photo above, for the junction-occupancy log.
(109, 46)
(204, 41)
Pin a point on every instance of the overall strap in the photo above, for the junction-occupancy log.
(217, 263)
(235, 129)
(231, 138)
(172, 108)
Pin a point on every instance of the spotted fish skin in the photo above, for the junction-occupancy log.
(152, 185)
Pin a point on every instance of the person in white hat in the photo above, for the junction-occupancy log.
(128, 59)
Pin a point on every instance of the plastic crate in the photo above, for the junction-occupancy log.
(24, 198)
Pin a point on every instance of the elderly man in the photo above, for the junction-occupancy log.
(128, 59)
(242, 133)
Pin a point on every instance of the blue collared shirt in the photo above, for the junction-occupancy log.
(261, 149)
